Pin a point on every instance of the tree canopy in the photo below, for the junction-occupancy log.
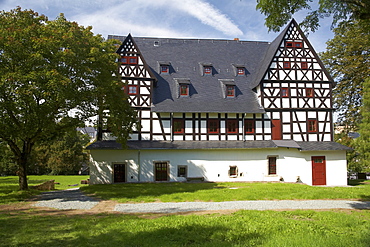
(49, 69)
(279, 12)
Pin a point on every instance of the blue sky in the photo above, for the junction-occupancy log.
(216, 19)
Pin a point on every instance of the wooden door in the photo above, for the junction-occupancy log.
(276, 129)
(119, 171)
(318, 170)
(161, 171)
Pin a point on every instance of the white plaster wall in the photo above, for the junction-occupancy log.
(214, 165)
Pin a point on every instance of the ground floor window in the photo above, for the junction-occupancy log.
(182, 171)
(233, 172)
(272, 166)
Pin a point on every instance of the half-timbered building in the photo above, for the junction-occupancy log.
(224, 110)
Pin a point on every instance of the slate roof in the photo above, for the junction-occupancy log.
(192, 145)
(186, 58)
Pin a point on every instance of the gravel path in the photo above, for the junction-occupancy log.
(75, 199)
(66, 199)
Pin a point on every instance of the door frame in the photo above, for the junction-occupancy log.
(167, 170)
(114, 172)
(314, 174)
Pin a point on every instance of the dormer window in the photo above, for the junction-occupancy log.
(184, 89)
(165, 69)
(230, 91)
(207, 70)
(240, 71)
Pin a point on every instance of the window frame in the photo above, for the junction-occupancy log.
(284, 92)
(309, 92)
(129, 87)
(235, 122)
(179, 173)
(312, 126)
(235, 171)
(216, 127)
(286, 65)
(184, 86)
(304, 65)
(230, 88)
(182, 123)
(247, 127)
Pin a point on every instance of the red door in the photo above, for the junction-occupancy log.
(119, 171)
(276, 129)
(318, 170)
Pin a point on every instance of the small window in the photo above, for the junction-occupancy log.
(249, 126)
(285, 92)
(241, 71)
(207, 70)
(133, 60)
(304, 65)
(233, 172)
(124, 60)
(312, 125)
(182, 171)
(213, 126)
(132, 89)
(165, 69)
(128, 60)
(296, 44)
(309, 92)
(184, 90)
(272, 165)
(232, 126)
(230, 91)
(286, 65)
(178, 126)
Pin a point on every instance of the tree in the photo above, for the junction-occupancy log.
(348, 60)
(279, 12)
(64, 155)
(363, 142)
(47, 69)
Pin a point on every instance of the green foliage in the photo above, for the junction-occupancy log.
(243, 228)
(348, 60)
(217, 192)
(279, 12)
(47, 69)
(363, 142)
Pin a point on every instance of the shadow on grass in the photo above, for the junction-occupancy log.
(119, 232)
(136, 190)
(356, 182)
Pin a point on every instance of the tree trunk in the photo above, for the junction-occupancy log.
(22, 173)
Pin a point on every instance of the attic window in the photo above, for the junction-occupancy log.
(156, 43)
(184, 89)
(230, 91)
(207, 70)
(304, 65)
(165, 69)
(240, 71)
(286, 65)
(128, 60)
(294, 44)
(182, 85)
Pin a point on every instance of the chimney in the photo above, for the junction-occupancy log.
(236, 39)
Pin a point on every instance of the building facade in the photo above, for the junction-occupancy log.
(224, 110)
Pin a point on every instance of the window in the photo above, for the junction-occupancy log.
(286, 65)
(272, 165)
(178, 126)
(165, 69)
(309, 92)
(230, 91)
(182, 171)
(240, 71)
(312, 125)
(304, 65)
(184, 89)
(232, 126)
(207, 70)
(128, 60)
(249, 126)
(284, 92)
(213, 126)
(295, 44)
(132, 89)
(233, 172)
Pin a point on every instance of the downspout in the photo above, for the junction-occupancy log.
(171, 126)
(139, 166)
(243, 131)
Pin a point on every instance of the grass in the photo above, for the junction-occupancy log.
(9, 188)
(179, 192)
(242, 228)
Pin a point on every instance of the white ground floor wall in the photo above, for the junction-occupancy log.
(214, 165)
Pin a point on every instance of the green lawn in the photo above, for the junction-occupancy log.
(177, 192)
(9, 188)
(243, 228)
